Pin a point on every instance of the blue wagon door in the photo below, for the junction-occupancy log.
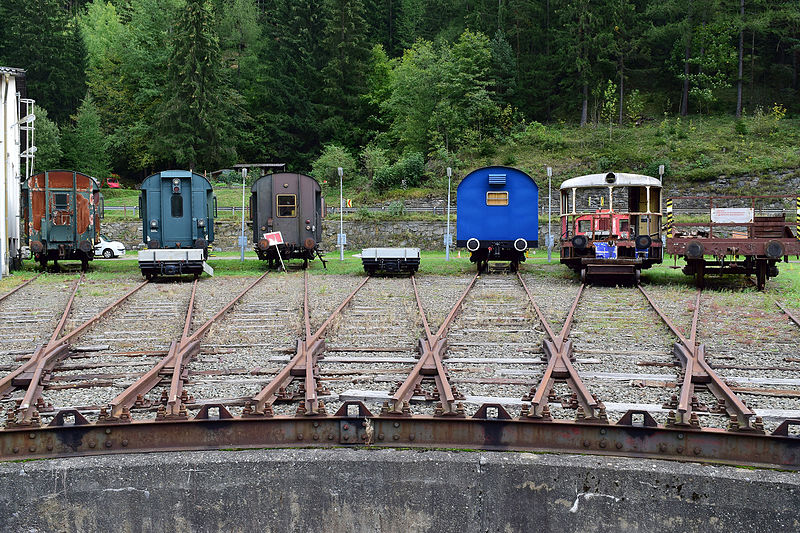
(176, 208)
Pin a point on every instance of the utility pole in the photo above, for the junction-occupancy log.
(447, 238)
(242, 238)
(341, 238)
(549, 213)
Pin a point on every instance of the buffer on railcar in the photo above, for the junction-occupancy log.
(497, 215)
(292, 204)
(61, 210)
(177, 209)
(746, 235)
(611, 225)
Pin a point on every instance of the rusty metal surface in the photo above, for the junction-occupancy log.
(429, 366)
(303, 364)
(559, 353)
(794, 318)
(224, 431)
(696, 371)
(36, 371)
(18, 287)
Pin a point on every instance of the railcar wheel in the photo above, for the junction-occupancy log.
(107, 253)
(583, 275)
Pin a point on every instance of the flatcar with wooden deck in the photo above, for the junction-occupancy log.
(292, 204)
(746, 235)
(61, 210)
(497, 215)
(177, 209)
(611, 225)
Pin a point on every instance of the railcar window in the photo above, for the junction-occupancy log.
(497, 198)
(287, 205)
(177, 206)
(584, 226)
(62, 201)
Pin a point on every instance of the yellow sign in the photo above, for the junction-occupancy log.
(348, 203)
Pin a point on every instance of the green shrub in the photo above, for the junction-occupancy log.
(740, 127)
(652, 168)
(407, 172)
(397, 208)
(536, 134)
(325, 168)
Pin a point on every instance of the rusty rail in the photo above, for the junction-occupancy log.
(35, 373)
(174, 364)
(559, 352)
(697, 372)
(18, 287)
(794, 318)
(303, 364)
(432, 350)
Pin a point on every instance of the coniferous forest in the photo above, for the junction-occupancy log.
(383, 87)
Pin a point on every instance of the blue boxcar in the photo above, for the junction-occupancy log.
(177, 209)
(498, 215)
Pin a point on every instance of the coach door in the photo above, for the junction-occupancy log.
(286, 206)
(176, 209)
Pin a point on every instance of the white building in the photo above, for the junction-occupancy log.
(16, 147)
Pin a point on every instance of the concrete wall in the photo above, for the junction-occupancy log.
(390, 491)
(428, 235)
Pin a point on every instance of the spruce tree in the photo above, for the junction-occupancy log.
(196, 120)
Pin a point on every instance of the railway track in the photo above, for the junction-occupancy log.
(492, 361)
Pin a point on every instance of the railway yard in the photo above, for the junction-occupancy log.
(496, 361)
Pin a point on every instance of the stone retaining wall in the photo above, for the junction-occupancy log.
(427, 235)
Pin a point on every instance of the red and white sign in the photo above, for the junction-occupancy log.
(274, 239)
(728, 215)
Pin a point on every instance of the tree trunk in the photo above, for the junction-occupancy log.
(741, 58)
(752, 67)
(621, 87)
(585, 106)
(685, 93)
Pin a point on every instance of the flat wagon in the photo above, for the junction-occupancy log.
(746, 235)
(611, 225)
(177, 209)
(497, 215)
(61, 210)
(292, 204)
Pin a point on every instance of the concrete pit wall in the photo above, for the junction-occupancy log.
(390, 491)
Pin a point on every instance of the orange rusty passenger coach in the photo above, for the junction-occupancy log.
(61, 210)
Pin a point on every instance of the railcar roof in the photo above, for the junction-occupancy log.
(622, 180)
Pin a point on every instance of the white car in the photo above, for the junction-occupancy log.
(108, 249)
